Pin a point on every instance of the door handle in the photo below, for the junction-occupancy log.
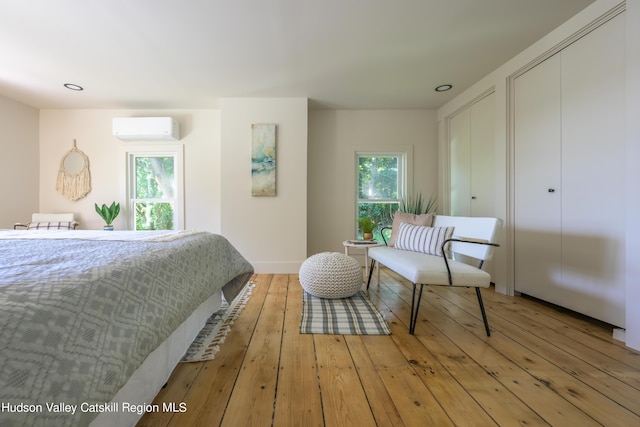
(551, 190)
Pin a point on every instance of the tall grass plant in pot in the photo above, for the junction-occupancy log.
(418, 205)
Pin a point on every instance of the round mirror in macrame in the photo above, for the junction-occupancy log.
(74, 179)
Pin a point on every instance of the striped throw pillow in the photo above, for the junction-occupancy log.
(62, 225)
(423, 239)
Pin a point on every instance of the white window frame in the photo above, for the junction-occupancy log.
(170, 150)
(404, 161)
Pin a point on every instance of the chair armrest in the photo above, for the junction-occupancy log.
(74, 224)
(17, 224)
(382, 234)
(469, 240)
(462, 240)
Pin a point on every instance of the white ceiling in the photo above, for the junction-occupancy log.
(144, 54)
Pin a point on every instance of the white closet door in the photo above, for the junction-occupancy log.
(482, 124)
(593, 100)
(472, 159)
(460, 163)
(537, 180)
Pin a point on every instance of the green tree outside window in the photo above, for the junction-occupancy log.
(380, 179)
(154, 193)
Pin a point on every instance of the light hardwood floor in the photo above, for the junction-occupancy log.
(541, 366)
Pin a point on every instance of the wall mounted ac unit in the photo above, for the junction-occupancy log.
(146, 128)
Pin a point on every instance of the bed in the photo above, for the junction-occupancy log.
(92, 323)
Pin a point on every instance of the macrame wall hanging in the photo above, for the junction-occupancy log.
(74, 179)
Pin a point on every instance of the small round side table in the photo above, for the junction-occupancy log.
(363, 244)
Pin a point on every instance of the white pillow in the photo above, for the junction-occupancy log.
(423, 239)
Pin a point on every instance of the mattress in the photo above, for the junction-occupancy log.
(80, 311)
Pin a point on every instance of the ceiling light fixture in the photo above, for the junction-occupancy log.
(73, 86)
(443, 88)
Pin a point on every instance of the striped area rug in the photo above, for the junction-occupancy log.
(343, 316)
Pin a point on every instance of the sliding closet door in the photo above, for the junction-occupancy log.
(537, 150)
(593, 100)
(569, 172)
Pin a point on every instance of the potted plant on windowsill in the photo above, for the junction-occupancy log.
(108, 214)
(366, 226)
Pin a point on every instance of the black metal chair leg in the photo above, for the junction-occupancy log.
(484, 314)
(415, 306)
(373, 262)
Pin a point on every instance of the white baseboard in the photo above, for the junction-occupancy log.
(619, 334)
(276, 267)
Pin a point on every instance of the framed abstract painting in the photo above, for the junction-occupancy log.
(263, 160)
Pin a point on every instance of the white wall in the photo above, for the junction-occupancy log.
(334, 137)
(275, 233)
(270, 231)
(633, 174)
(498, 79)
(19, 162)
(92, 130)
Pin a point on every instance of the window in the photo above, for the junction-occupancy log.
(155, 189)
(381, 184)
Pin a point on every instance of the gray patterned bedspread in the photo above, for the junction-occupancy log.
(78, 316)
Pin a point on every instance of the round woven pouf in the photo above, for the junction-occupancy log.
(331, 275)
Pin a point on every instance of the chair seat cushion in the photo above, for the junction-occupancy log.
(420, 268)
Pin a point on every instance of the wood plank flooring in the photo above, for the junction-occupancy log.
(541, 366)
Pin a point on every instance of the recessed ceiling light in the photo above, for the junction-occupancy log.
(73, 86)
(443, 88)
